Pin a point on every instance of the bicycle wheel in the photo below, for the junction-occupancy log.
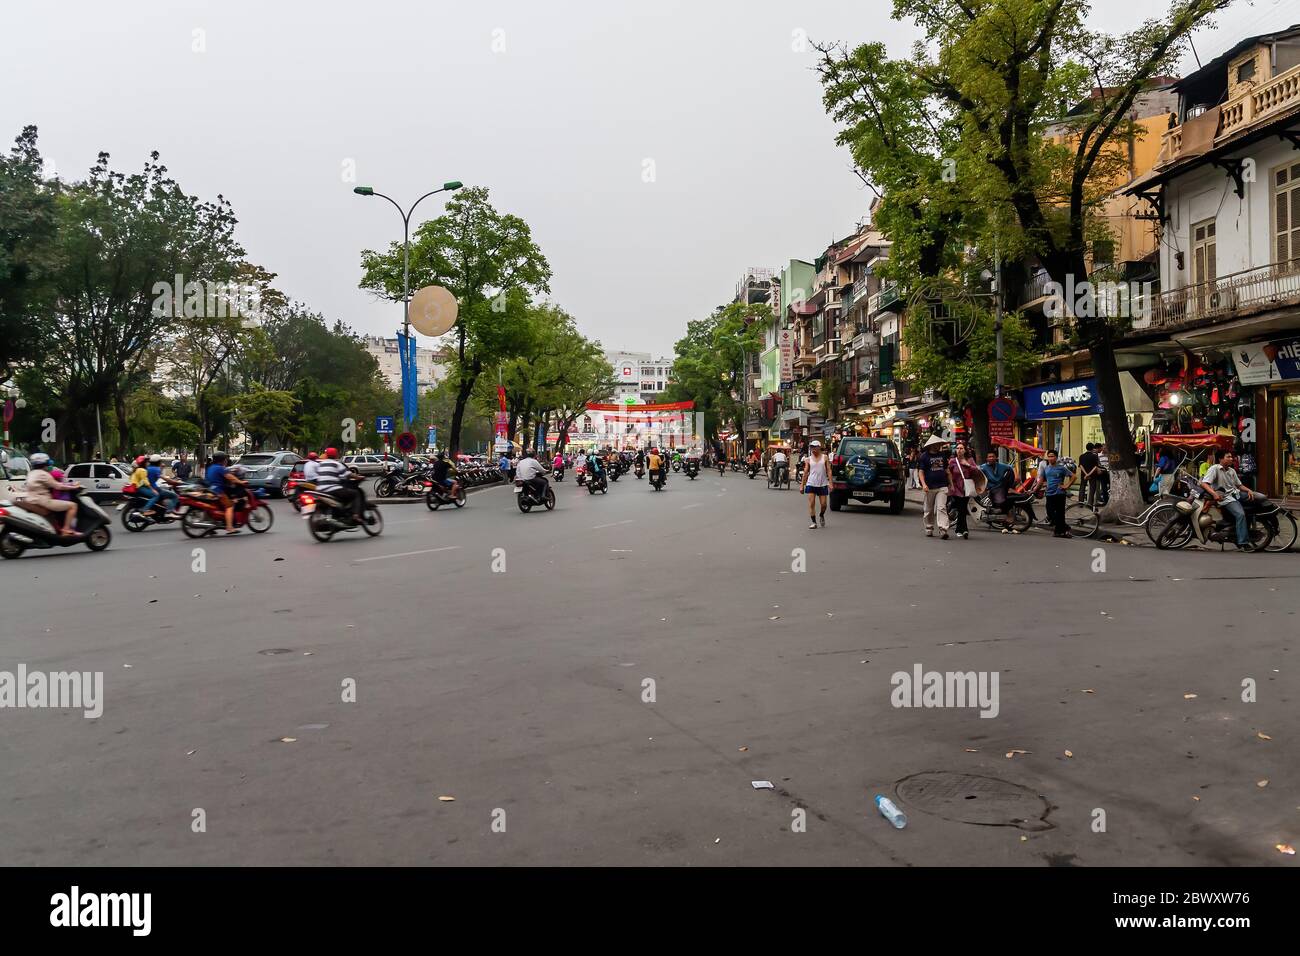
(1082, 521)
(1287, 531)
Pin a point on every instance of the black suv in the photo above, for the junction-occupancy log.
(868, 469)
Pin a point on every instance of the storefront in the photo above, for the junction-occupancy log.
(1270, 373)
(1063, 416)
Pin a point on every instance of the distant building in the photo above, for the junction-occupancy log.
(639, 375)
(430, 367)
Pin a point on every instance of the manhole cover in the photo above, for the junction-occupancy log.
(277, 650)
(972, 798)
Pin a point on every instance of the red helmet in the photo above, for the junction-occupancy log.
(140, 461)
(311, 455)
(331, 452)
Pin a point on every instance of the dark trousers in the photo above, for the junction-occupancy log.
(1056, 513)
(959, 508)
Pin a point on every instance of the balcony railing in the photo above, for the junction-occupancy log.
(886, 298)
(1256, 290)
(1253, 107)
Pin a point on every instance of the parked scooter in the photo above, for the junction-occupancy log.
(22, 528)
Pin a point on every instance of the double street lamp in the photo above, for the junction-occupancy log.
(406, 259)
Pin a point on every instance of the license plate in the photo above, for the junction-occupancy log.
(308, 509)
(863, 494)
(519, 491)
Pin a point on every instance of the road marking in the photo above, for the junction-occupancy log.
(407, 554)
(696, 505)
(612, 524)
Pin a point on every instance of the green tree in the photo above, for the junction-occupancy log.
(267, 413)
(710, 363)
(487, 260)
(28, 252)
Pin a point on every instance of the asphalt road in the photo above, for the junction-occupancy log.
(522, 691)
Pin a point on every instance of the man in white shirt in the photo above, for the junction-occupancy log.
(532, 474)
(778, 465)
(1223, 484)
(310, 467)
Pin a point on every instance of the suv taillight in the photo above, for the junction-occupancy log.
(838, 461)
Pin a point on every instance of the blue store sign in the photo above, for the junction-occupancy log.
(1062, 399)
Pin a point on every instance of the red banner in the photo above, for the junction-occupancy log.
(671, 407)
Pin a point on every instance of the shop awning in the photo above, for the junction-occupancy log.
(1135, 400)
(1016, 445)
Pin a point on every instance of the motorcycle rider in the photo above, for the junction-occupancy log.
(335, 479)
(221, 482)
(655, 462)
(442, 474)
(39, 491)
(778, 465)
(531, 473)
(1223, 484)
(310, 466)
(160, 487)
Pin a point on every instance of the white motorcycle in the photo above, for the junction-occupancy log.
(22, 528)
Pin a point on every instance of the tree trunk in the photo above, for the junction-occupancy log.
(123, 428)
(983, 443)
(458, 415)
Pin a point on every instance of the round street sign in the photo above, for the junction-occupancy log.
(433, 310)
(406, 443)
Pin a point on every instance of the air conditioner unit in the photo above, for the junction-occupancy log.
(1221, 300)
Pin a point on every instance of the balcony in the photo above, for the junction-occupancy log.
(886, 298)
(1231, 296)
(1267, 101)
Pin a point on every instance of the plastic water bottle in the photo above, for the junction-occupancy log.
(890, 812)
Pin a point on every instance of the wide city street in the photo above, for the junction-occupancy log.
(604, 683)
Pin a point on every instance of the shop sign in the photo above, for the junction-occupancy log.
(1062, 399)
(785, 342)
(884, 398)
(1262, 362)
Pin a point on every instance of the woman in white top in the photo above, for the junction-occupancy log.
(816, 482)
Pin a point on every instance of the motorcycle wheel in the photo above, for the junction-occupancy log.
(525, 505)
(1287, 532)
(383, 488)
(260, 520)
(316, 524)
(550, 499)
(1260, 535)
(99, 539)
(375, 529)
(195, 524)
(459, 500)
(432, 501)
(132, 519)
(10, 547)
(1175, 534)
(591, 489)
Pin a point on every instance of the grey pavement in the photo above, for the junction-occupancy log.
(522, 691)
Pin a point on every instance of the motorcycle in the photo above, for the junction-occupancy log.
(558, 473)
(327, 516)
(134, 516)
(410, 484)
(640, 471)
(677, 464)
(722, 467)
(657, 479)
(204, 514)
(596, 483)
(735, 464)
(297, 488)
(692, 468)
(613, 471)
(527, 497)
(1204, 520)
(439, 495)
(582, 475)
(21, 528)
(1017, 511)
(752, 468)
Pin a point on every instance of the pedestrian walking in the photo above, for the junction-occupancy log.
(913, 471)
(1055, 479)
(933, 465)
(817, 482)
(964, 480)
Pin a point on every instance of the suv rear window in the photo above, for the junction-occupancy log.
(257, 459)
(867, 447)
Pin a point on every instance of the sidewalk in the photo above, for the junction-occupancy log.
(1118, 533)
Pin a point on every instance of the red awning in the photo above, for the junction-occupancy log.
(1225, 442)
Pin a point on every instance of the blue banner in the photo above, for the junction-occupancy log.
(410, 384)
(1062, 399)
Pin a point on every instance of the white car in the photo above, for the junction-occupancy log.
(13, 471)
(100, 478)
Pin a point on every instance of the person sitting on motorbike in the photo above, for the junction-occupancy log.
(1223, 484)
(558, 463)
(40, 489)
(337, 480)
(310, 466)
(640, 457)
(655, 462)
(531, 473)
(159, 488)
(442, 474)
(1000, 477)
(140, 474)
(595, 467)
(221, 482)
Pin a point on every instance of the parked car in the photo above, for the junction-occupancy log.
(868, 469)
(13, 470)
(365, 464)
(269, 470)
(101, 479)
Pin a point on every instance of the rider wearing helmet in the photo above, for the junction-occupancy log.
(140, 474)
(335, 479)
(310, 466)
(442, 471)
(159, 487)
(40, 489)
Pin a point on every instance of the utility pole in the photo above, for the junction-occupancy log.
(997, 313)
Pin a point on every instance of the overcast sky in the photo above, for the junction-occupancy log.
(555, 106)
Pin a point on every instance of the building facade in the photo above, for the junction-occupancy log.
(430, 366)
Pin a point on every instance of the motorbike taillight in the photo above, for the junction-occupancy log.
(307, 499)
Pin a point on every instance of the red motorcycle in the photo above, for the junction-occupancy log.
(204, 514)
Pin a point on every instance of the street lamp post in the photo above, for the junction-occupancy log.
(406, 264)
